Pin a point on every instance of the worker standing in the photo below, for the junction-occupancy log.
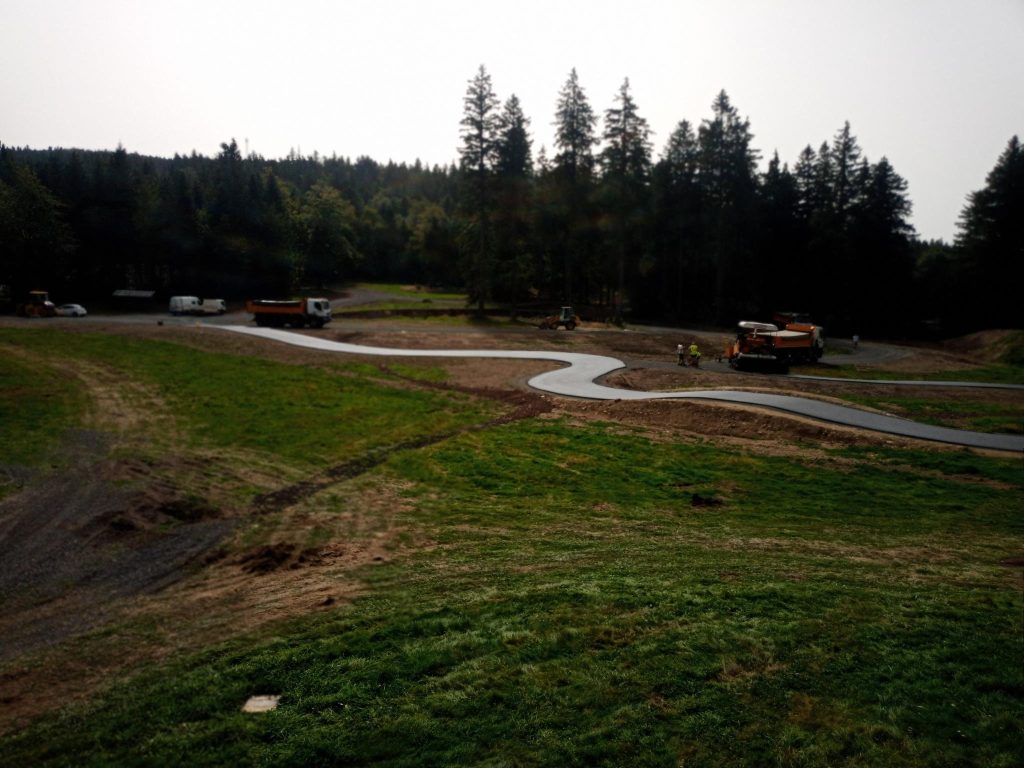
(694, 355)
(680, 357)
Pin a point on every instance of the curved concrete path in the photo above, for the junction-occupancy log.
(578, 380)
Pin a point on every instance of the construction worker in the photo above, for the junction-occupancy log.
(695, 354)
(679, 355)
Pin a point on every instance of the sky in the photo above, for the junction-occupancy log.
(936, 86)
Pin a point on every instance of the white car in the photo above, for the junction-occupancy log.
(71, 310)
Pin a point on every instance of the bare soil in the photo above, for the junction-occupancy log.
(116, 559)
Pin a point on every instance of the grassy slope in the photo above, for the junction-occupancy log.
(38, 404)
(942, 410)
(304, 416)
(578, 608)
(996, 374)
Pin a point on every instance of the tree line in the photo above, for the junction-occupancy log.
(696, 234)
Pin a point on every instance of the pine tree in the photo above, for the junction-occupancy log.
(878, 275)
(514, 168)
(804, 173)
(781, 270)
(676, 228)
(626, 167)
(728, 184)
(575, 124)
(478, 153)
(572, 183)
(845, 157)
(991, 241)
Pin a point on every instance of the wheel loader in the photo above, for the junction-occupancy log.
(566, 317)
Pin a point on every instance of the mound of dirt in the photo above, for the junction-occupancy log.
(75, 540)
(995, 346)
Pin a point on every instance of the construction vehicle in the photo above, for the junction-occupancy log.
(37, 305)
(764, 346)
(296, 313)
(566, 317)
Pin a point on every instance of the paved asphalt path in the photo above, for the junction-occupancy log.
(579, 380)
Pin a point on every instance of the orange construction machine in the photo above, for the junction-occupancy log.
(297, 313)
(38, 305)
(766, 346)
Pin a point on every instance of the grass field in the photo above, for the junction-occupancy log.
(996, 374)
(942, 410)
(577, 593)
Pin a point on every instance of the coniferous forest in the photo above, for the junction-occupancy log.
(691, 232)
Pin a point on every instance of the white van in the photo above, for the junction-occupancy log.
(184, 305)
(193, 305)
(212, 307)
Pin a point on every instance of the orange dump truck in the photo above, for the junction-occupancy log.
(37, 305)
(765, 346)
(296, 313)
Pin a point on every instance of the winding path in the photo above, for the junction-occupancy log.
(579, 380)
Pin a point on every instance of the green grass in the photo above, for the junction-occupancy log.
(304, 416)
(995, 374)
(411, 293)
(963, 413)
(578, 609)
(39, 403)
(589, 597)
(466, 320)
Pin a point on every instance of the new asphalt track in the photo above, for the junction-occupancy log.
(579, 379)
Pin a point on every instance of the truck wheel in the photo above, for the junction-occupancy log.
(570, 326)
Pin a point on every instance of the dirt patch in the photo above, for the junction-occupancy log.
(728, 424)
(238, 589)
(76, 541)
(696, 500)
(986, 346)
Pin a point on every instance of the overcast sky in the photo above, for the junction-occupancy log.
(937, 86)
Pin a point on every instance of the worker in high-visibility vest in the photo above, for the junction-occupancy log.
(695, 355)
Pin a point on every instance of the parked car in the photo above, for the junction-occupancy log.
(71, 310)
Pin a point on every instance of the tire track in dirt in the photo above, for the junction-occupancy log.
(526, 406)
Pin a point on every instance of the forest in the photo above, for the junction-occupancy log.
(696, 234)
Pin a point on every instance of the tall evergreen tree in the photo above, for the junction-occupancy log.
(480, 128)
(728, 184)
(573, 166)
(781, 270)
(626, 166)
(676, 229)
(514, 168)
(845, 160)
(991, 240)
(879, 273)
(804, 174)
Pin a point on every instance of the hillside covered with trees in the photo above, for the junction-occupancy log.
(692, 233)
